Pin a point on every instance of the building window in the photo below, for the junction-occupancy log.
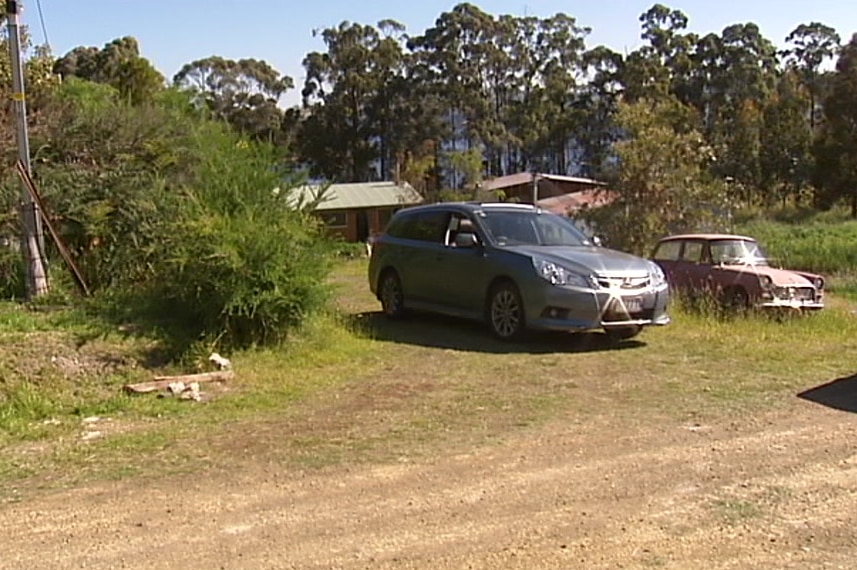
(334, 219)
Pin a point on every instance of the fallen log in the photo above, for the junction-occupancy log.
(163, 382)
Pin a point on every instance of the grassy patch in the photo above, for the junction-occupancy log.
(819, 242)
(736, 511)
(64, 421)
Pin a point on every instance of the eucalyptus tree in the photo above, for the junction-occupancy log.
(785, 141)
(355, 95)
(744, 77)
(662, 180)
(596, 104)
(459, 53)
(811, 45)
(118, 64)
(245, 93)
(509, 84)
(545, 72)
(836, 150)
(662, 65)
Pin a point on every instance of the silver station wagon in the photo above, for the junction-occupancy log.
(515, 267)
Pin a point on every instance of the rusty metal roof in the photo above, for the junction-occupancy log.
(527, 178)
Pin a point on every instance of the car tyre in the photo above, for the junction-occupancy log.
(391, 295)
(623, 333)
(506, 315)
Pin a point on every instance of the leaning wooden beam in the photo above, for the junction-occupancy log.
(163, 382)
(64, 252)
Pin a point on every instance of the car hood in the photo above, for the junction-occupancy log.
(781, 277)
(598, 260)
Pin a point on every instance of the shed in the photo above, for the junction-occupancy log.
(573, 202)
(531, 187)
(355, 211)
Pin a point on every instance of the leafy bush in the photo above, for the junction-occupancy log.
(174, 220)
(109, 172)
(238, 261)
(661, 178)
(349, 250)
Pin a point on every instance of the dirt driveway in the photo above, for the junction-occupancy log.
(775, 492)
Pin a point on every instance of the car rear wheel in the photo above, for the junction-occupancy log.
(506, 312)
(623, 333)
(391, 295)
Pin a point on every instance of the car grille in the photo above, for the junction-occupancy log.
(625, 283)
(796, 293)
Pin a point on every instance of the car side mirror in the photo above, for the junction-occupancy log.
(466, 240)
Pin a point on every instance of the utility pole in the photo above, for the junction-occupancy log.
(535, 182)
(32, 242)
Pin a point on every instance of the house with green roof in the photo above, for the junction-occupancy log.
(357, 210)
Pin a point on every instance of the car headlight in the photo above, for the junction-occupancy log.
(658, 276)
(819, 283)
(765, 282)
(559, 275)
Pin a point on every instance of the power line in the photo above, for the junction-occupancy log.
(42, 21)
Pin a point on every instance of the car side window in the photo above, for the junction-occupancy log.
(693, 251)
(423, 226)
(668, 251)
(458, 223)
(397, 226)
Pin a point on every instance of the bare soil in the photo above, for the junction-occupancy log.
(771, 489)
(776, 492)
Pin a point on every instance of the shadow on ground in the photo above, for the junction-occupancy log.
(840, 394)
(439, 331)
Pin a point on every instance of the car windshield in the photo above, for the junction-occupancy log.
(737, 252)
(532, 228)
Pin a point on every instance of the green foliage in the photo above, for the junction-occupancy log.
(813, 242)
(238, 262)
(108, 172)
(786, 142)
(354, 92)
(836, 147)
(662, 178)
(811, 45)
(12, 271)
(468, 164)
(117, 64)
(244, 93)
(175, 219)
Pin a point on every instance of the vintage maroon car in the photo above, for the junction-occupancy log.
(736, 272)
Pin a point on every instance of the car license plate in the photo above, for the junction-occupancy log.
(633, 304)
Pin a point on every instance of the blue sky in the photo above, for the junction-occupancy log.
(174, 32)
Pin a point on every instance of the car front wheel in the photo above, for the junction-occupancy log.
(506, 312)
(391, 296)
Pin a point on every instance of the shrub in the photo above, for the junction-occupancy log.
(238, 261)
(174, 220)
